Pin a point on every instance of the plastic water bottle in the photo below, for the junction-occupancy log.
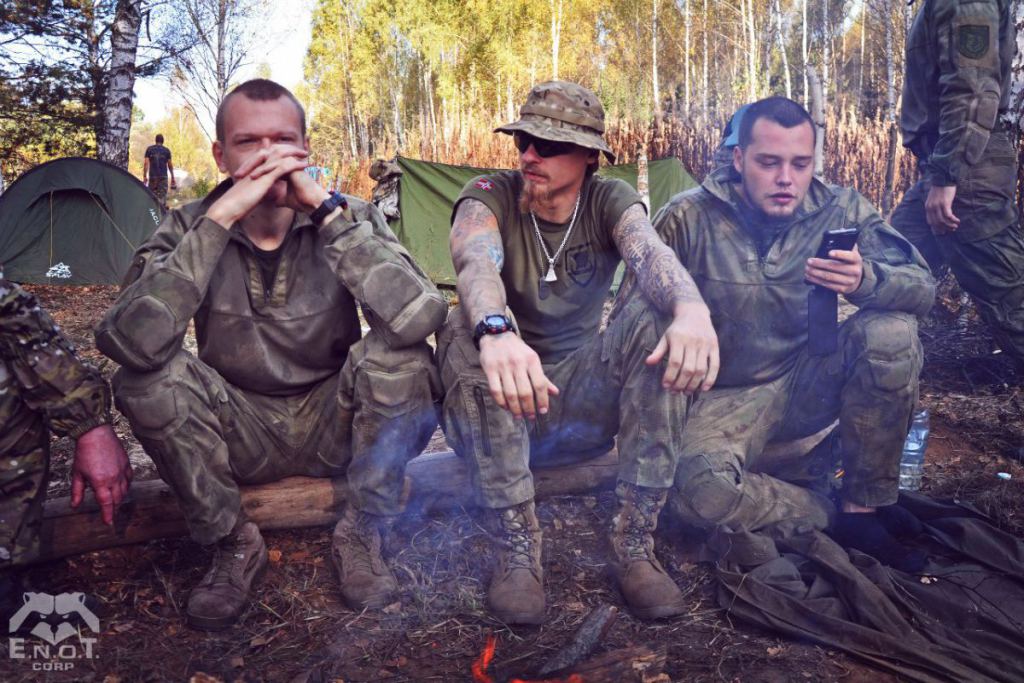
(912, 462)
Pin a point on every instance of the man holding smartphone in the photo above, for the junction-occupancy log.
(749, 236)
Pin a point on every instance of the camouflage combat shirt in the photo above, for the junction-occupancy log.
(959, 55)
(279, 340)
(759, 302)
(40, 366)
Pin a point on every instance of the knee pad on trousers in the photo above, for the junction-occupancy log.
(708, 492)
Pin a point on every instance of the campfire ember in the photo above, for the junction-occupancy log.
(483, 662)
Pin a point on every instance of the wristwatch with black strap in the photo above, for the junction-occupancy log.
(496, 323)
(333, 201)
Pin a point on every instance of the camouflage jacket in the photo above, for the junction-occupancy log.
(959, 54)
(276, 341)
(40, 366)
(759, 304)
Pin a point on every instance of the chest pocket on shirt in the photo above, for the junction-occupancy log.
(581, 264)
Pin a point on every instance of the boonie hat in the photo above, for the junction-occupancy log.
(563, 112)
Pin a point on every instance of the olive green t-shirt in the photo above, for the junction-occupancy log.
(555, 318)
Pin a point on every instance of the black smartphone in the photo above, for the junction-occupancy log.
(843, 240)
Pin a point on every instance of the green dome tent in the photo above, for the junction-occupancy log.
(74, 221)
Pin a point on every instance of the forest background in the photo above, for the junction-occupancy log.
(430, 80)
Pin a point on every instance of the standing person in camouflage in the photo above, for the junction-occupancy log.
(961, 213)
(270, 266)
(749, 235)
(156, 166)
(44, 387)
(542, 244)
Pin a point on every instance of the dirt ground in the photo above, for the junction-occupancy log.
(298, 629)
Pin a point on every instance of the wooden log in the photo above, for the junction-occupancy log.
(587, 637)
(629, 665)
(433, 481)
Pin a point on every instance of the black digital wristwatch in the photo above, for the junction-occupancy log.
(492, 324)
(326, 207)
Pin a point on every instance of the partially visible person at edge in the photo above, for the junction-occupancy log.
(270, 266)
(45, 387)
(155, 168)
(529, 377)
(749, 236)
(961, 214)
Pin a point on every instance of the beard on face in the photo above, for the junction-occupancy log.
(531, 194)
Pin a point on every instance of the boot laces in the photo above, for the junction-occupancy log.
(229, 563)
(364, 544)
(640, 524)
(518, 538)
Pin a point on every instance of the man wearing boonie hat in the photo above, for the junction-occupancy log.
(529, 376)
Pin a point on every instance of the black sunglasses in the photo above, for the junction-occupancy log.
(543, 148)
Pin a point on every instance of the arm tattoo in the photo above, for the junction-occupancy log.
(478, 256)
(658, 272)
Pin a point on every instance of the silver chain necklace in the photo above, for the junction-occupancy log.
(550, 276)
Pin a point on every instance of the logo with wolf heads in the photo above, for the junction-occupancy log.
(49, 608)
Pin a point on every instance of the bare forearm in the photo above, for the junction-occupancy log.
(658, 272)
(478, 258)
(481, 292)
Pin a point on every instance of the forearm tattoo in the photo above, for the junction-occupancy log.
(478, 256)
(658, 272)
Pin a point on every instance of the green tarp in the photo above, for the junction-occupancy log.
(427, 191)
(74, 221)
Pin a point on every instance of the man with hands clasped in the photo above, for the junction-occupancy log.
(750, 235)
(271, 267)
(529, 376)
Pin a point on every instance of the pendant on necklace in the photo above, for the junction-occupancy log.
(551, 277)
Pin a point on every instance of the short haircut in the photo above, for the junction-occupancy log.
(781, 110)
(260, 90)
(159, 139)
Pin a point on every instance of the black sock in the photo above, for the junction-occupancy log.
(900, 522)
(866, 532)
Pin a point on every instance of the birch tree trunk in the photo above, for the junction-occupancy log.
(1015, 113)
(817, 111)
(890, 64)
(707, 104)
(556, 35)
(751, 51)
(116, 107)
(826, 38)
(780, 32)
(860, 78)
(804, 52)
(687, 13)
(654, 61)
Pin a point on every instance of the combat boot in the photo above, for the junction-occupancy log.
(516, 593)
(648, 590)
(365, 580)
(238, 561)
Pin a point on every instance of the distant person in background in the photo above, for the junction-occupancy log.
(961, 214)
(155, 168)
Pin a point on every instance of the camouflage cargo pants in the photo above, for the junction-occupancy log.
(24, 466)
(870, 383)
(986, 253)
(207, 436)
(606, 390)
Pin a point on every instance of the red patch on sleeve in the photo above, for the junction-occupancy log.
(484, 184)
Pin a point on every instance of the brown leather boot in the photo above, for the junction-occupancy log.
(365, 580)
(221, 596)
(516, 593)
(649, 591)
